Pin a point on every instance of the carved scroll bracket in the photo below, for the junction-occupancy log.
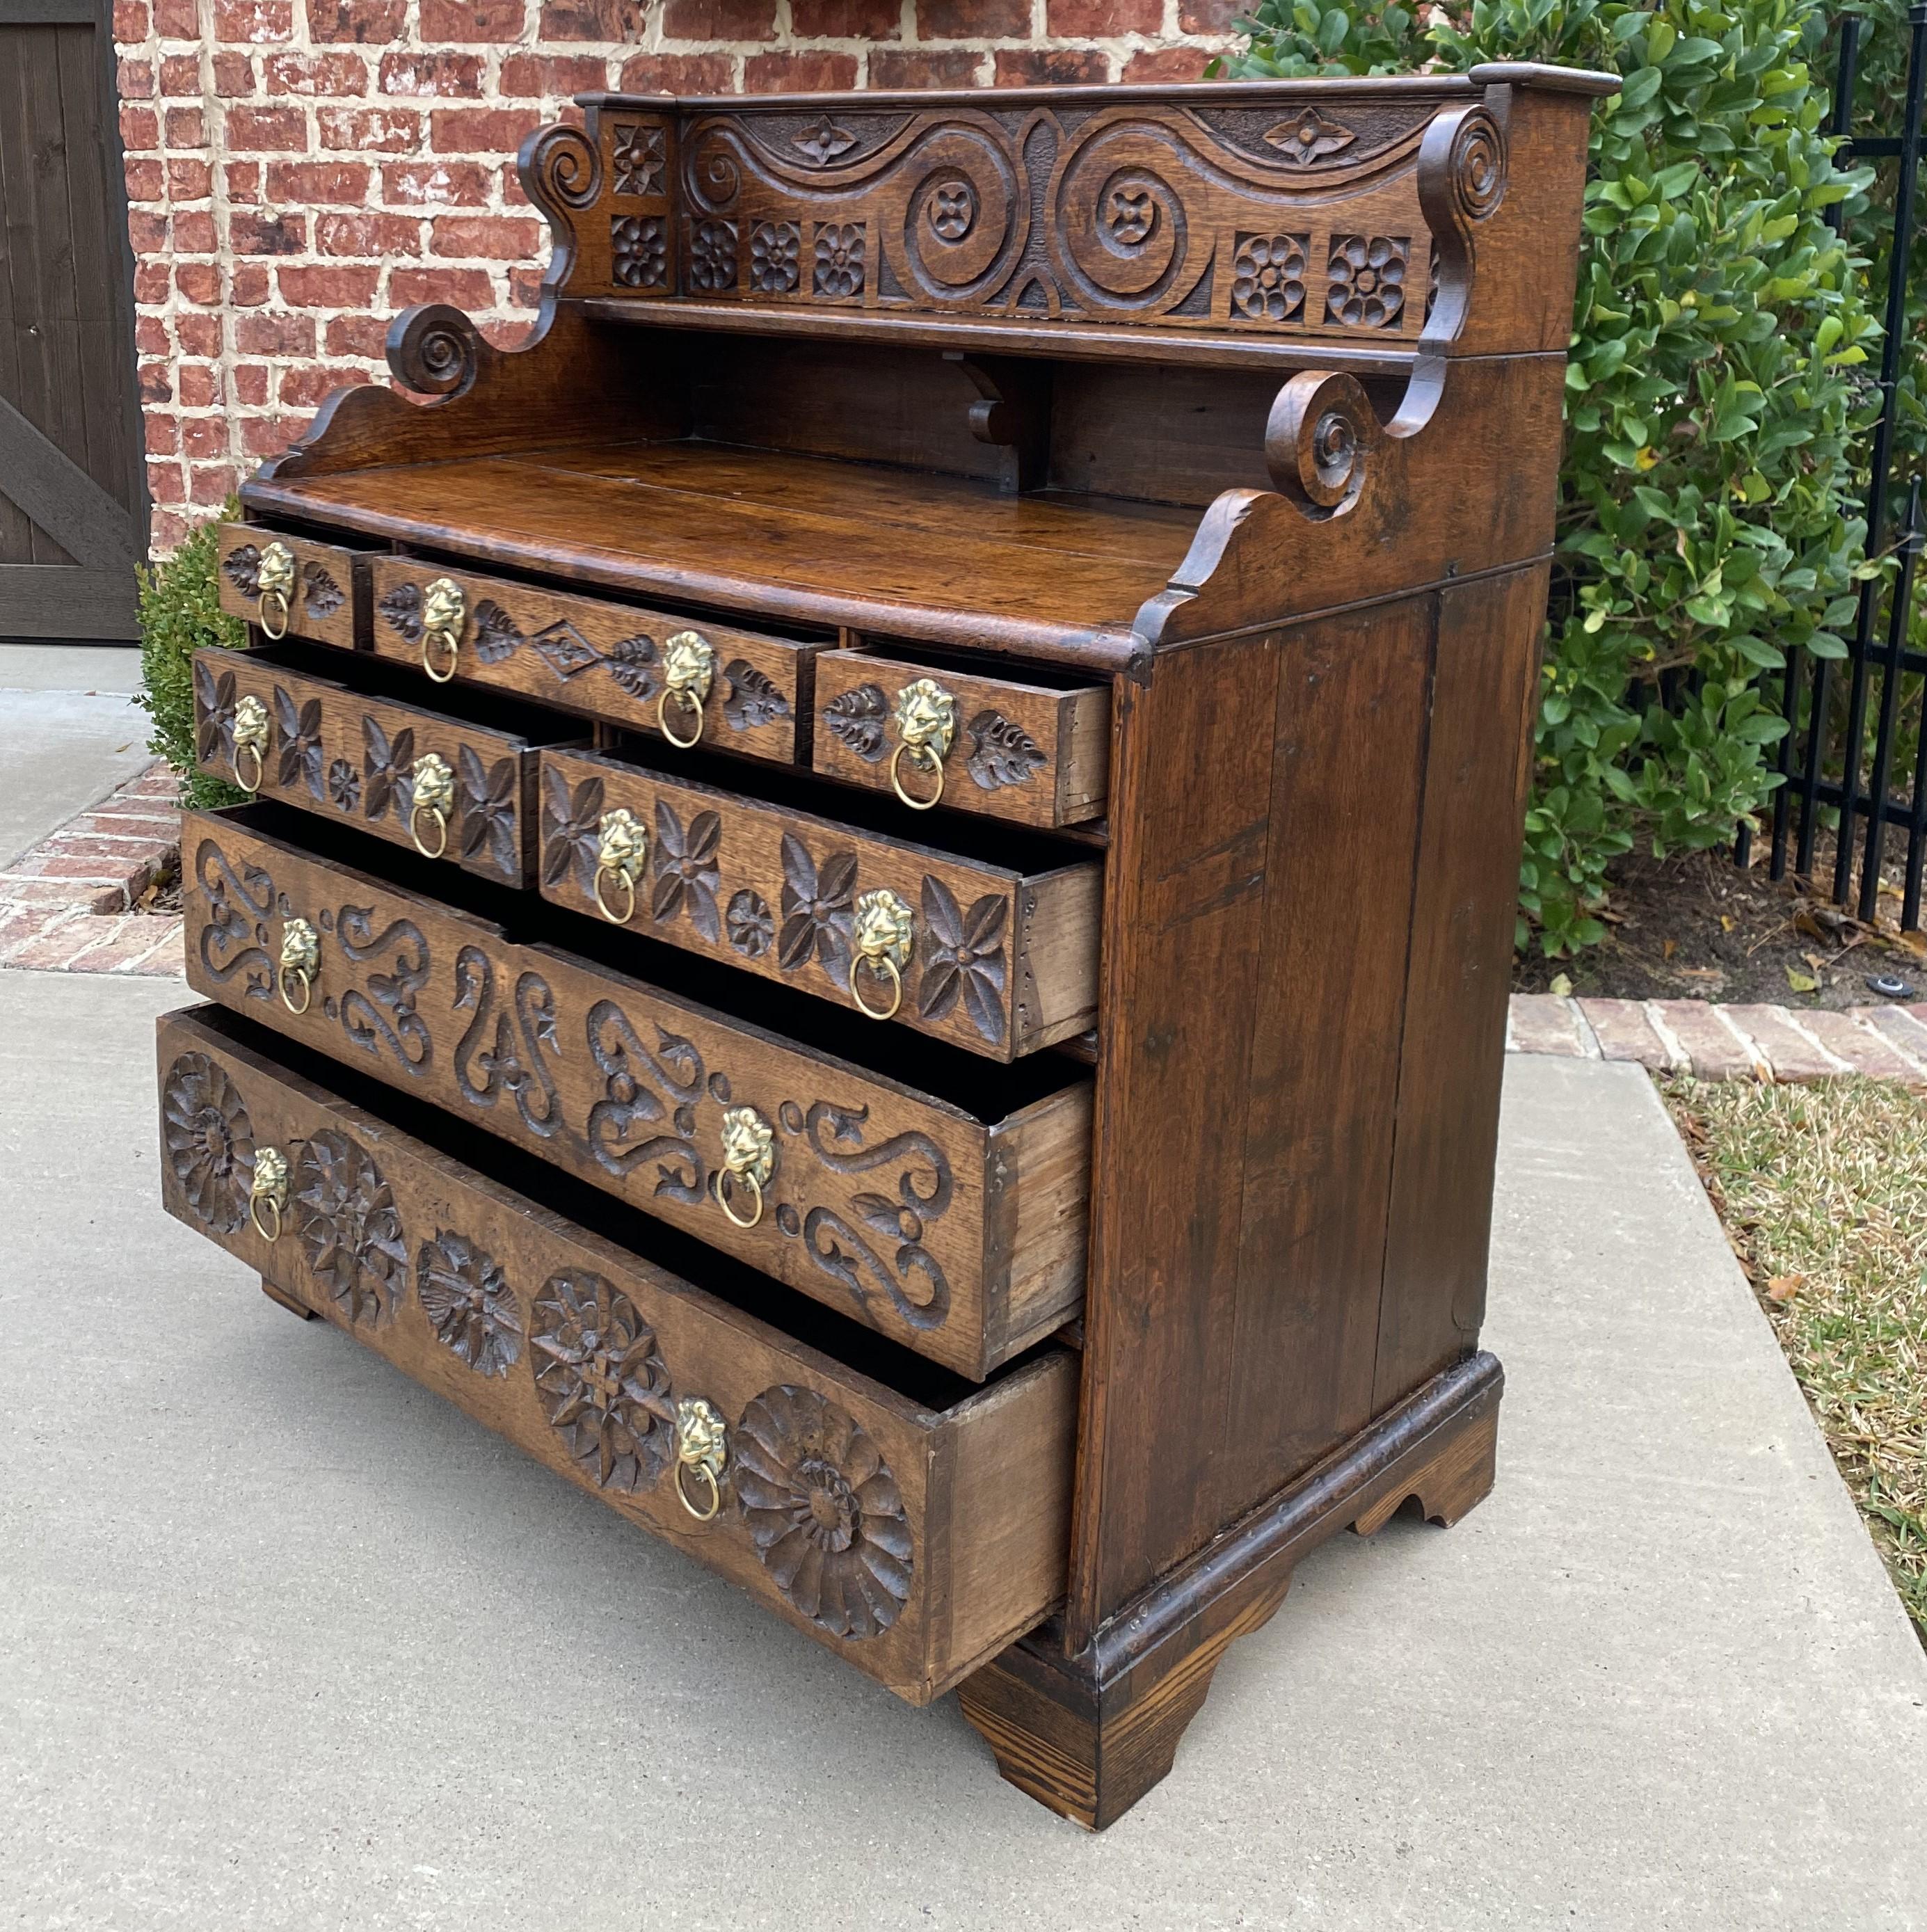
(1319, 441)
(436, 350)
(1462, 164)
(1011, 413)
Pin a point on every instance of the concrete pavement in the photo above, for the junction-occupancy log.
(70, 732)
(286, 1642)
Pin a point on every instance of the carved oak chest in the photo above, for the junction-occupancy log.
(875, 907)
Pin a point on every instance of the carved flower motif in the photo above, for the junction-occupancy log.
(603, 1385)
(1367, 286)
(497, 636)
(1002, 752)
(840, 259)
(858, 718)
(241, 567)
(390, 770)
(637, 253)
(774, 246)
(469, 1302)
(753, 699)
(823, 141)
(344, 785)
(713, 255)
(300, 743)
(749, 924)
(350, 1229)
(400, 610)
(952, 207)
(824, 1512)
(488, 811)
(320, 593)
(1132, 214)
(1268, 274)
(1309, 137)
(686, 869)
(210, 1141)
(572, 829)
(638, 160)
(214, 715)
(963, 955)
(818, 914)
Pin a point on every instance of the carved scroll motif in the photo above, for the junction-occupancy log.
(639, 1086)
(234, 938)
(496, 1056)
(389, 1018)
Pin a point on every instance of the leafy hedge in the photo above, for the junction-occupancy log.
(1707, 521)
(180, 612)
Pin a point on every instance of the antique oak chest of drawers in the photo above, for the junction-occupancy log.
(875, 912)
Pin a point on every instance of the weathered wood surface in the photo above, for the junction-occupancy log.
(1021, 751)
(337, 752)
(961, 1235)
(329, 603)
(871, 1521)
(1000, 962)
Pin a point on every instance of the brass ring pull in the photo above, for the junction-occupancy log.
(300, 958)
(275, 583)
(918, 754)
(702, 1444)
(622, 848)
(270, 1191)
(688, 669)
(885, 925)
(432, 789)
(429, 639)
(749, 1158)
(444, 609)
(440, 822)
(250, 740)
(246, 751)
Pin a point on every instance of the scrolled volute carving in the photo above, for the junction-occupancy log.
(1322, 432)
(434, 350)
(1461, 182)
(561, 167)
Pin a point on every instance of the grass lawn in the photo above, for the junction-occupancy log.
(1823, 1193)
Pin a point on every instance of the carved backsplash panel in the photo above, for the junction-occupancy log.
(1273, 217)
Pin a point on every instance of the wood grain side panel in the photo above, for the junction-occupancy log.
(777, 892)
(454, 1279)
(1184, 926)
(329, 603)
(1040, 1164)
(878, 1203)
(1485, 698)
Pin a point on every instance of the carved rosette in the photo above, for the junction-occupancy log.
(209, 1141)
(469, 1302)
(603, 1386)
(824, 1512)
(350, 1228)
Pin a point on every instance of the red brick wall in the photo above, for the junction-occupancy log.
(299, 170)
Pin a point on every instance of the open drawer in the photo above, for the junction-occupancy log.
(991, 945)
(956, 1225)
(451, 786)
(910, 1523)
(292, 587)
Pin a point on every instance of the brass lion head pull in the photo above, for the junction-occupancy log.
(621, 847)
(432, 785)
(269, 1193)
(300, 959)
(925, 716)
(749, 1158)
(275, 590)
(702, 1448)
(250, 740)
(688, 669)
(444, 609)
(884, 926)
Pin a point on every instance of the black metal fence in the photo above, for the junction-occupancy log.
(1833, 777)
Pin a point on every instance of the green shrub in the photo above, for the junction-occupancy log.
(1707, 516)
(180, 612)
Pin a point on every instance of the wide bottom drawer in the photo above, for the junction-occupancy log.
(911, 1522)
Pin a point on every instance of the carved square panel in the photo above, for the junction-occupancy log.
(712, 257)
(639, 251)
(1366, 284)
(639, 160)
(1268, 276)
(838, 261)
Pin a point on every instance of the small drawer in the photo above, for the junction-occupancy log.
(934, 735)
(995, 959)
(910, 1523)
(614, 661)
(955, 1226)
(292, 587)
(448, 788)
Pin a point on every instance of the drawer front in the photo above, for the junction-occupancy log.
(999, 962)
(313, 590)
(962, 1239)
(448, 789)
(990, 744)
(915, 1540)
(605, 661)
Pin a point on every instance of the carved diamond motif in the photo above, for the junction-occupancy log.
(564, 650)
(1307, 138)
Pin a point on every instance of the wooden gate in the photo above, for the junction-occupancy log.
(74, 511)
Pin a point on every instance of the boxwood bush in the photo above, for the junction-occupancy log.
(1716, 400)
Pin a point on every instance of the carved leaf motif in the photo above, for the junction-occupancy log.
(320, 592)
(1002, 752)
(632, 664)
(564, 650)
(963, 955)
(603, 1385)
(497, 637)
(488, 811)
(400, 610)
(241, 566)
(349, 1228)
(391, 778)
(209, 1139)
(300, 743)
(858, 718)
(687, 869)
(570, 829)
(817, 910)
(469, 1302)
(753, 699)
(214, 715)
